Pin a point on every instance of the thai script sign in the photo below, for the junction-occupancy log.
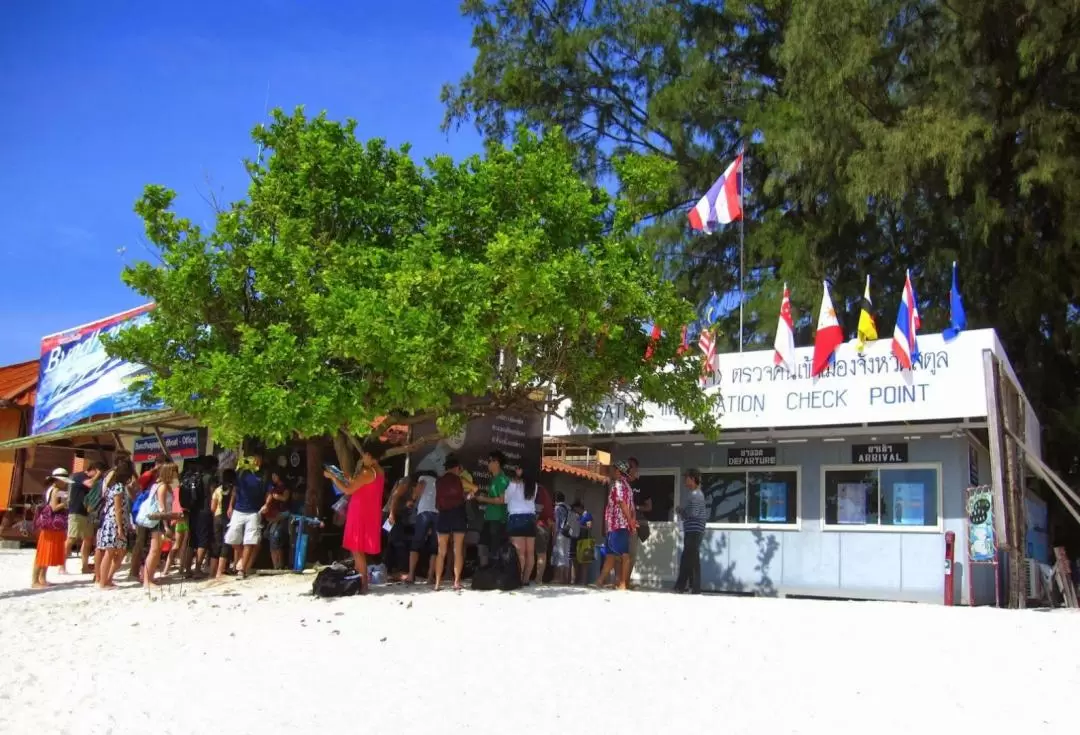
(945, 383)
(77, 379)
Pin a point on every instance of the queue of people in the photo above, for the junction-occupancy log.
(201, 524)
(211, 524)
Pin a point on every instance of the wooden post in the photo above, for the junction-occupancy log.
(1014, 493)
(161, 444)
(997, 453)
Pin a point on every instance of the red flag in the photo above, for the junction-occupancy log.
(685, 346)
(653, 339)
(784, 344)
(829, 335)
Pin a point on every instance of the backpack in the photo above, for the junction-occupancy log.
(136, 504)
(149, 514)
(93, 498)
(507, 568)
(571, 525)
(191, 491)
(337, 580)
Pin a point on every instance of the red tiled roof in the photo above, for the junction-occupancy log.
(553, 465)
(18, 383)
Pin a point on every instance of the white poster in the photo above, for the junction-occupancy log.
(851, 502)
(909, 504)
(773, 502)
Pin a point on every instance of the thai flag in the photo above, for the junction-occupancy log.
(905, 343)
(722, 203)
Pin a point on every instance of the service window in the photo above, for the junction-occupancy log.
(900, 496)
(752, 497)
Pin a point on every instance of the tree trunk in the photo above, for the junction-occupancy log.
(343, 449)
(316, 483)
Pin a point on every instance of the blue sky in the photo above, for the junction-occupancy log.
(104, 97)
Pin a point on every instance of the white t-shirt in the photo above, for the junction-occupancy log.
(516, 504)
(426, 504)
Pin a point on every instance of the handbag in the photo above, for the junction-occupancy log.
(47, 519)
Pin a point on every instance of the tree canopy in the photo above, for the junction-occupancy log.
(355, 287)
(881, 136)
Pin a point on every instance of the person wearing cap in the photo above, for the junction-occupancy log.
(81, 526)
(51, 544)
(620, 523)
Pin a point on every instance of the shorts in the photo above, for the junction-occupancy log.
(493, 534)
(202, 530)
(278, 534)
(244, 529)
(79, 527)
(618, 542)
(521, 525)
(543, 540)
(217, 540)
(452, 520)
(423, 525)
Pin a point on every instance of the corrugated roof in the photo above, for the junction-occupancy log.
(18, 383)
(553, 465)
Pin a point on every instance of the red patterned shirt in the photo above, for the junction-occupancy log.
(614, 518)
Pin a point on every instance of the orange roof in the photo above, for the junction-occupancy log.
(18, 383)
(553, 465)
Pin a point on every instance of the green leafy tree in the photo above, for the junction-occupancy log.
(881, 136)
(353, 289)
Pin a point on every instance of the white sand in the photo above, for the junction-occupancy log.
(263, 657)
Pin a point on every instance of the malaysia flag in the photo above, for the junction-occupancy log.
(785, 335)
(722, 203)
(905, 342)
(707, 343)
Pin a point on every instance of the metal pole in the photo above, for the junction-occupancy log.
(742, 250)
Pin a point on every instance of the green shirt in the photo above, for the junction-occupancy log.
(497, 489)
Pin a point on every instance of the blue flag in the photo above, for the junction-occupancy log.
(957, 317)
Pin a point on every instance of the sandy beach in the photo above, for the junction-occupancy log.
(263, 656)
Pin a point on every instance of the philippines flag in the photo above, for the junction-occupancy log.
(722, 203)
(905, 343)
(785, 335)
(829, 335)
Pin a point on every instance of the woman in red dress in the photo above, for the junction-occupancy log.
(363, 519)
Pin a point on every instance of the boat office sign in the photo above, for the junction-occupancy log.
(946, 383)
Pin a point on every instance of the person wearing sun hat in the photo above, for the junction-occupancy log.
(52, 541)
(620, 523)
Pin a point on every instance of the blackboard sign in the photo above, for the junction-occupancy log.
(879, 453)
(752, 457)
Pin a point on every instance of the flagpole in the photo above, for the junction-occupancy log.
(742, 250)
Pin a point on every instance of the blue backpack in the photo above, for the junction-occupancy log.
(137, 503)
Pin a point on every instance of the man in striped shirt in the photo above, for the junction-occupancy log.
(693, 517)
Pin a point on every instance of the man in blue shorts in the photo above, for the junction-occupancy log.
(620, 523)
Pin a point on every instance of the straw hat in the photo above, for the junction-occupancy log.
(60, 474)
